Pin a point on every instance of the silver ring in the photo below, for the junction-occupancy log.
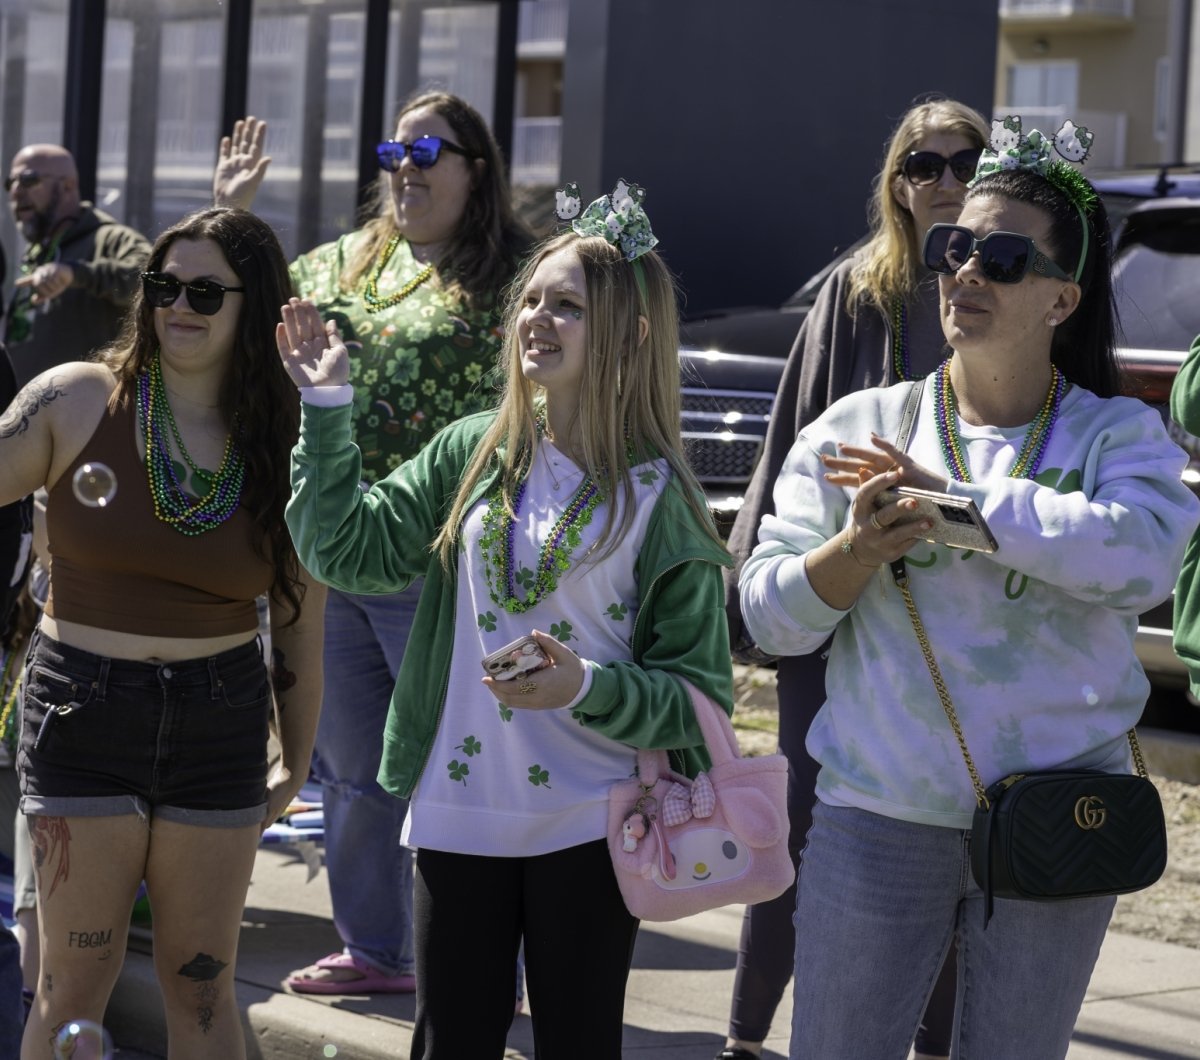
(876, 523)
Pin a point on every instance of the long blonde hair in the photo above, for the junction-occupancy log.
(887, 266)
(629, 400)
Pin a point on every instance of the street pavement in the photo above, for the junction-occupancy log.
(1144, 1001)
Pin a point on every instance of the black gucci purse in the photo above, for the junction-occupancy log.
(1045, 837)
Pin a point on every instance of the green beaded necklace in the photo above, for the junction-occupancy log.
(497, 545)
(1028, 460)
(371, 298)
(172, 504)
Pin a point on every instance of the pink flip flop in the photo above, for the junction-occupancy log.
(369, 980)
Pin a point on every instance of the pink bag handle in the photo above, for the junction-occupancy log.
(715, 727)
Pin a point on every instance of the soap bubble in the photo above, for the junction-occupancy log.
(83, 1040)
(95, 485)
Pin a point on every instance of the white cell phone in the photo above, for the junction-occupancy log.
(520, 657)
(957, 521)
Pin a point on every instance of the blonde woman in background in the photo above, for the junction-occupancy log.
(875, 322)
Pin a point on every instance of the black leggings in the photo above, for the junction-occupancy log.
(470, 915)
(767, 951)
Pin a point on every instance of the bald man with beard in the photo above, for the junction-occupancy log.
(80, 270)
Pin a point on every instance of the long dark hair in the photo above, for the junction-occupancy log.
(486, 248)
(255, 392)
(1084, 345)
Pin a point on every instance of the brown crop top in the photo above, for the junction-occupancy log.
(121, 568)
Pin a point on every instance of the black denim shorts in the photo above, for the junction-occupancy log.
(185, 741)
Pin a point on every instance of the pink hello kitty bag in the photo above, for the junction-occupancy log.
(682, 846)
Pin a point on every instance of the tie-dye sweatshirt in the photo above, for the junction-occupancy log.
(1035, 641)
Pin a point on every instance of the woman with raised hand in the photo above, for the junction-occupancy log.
(1034, 641)
(415, 294)
(146, 699)
(569, 515)
(875, 322)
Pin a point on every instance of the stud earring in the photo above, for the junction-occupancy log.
(1053, 322)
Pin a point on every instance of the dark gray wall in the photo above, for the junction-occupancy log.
(756, 126)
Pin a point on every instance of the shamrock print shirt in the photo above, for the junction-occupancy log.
(518, 783)
(416, 366)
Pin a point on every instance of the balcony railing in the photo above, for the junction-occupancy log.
(1080, 14)
(537, 150)
(542, 21)
(542, 29)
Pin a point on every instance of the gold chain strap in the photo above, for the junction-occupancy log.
(942, 691)
(901, 578)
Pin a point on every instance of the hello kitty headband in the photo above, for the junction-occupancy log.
(617, 218)
(1009, 148)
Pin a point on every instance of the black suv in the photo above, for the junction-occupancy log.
(732, 361)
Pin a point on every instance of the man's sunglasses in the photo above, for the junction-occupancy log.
(206, 297)
(28, 179)
(922, 168)
(424, 151)
(1004, 257)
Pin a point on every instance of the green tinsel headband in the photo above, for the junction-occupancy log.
(1010, 149)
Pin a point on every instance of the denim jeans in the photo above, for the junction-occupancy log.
(184, 741)
(370, 873)
(12, 1008)
(878, 902)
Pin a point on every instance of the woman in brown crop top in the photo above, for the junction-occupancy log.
(143, 751)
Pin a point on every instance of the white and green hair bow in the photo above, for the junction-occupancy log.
(617, 218)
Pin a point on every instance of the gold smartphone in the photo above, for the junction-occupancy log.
(957, 521)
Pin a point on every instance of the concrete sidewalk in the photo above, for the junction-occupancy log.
(1144, 1000)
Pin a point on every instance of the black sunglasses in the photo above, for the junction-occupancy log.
(926, 167)
(204, 296)
(424, 151)
(29, 179)
(1004, 257)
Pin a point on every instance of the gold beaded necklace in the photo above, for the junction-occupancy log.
(371, 297)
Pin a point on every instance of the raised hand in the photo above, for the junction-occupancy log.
(241, 164)
(311, 349)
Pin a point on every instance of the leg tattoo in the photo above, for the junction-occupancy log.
(203, 971)
(51, 839)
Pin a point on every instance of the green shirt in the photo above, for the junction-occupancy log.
(416, 366)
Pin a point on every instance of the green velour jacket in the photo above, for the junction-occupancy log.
(378, 542)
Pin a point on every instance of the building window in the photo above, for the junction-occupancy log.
(1034, 85)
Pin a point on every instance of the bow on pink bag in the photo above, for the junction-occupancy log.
(682, 846)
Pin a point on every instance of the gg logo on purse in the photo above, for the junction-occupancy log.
(1090, 813)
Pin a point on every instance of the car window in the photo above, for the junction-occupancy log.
(1156, 280)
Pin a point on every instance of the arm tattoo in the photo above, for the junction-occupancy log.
(26, 404)
(51, 839)
(203, 971)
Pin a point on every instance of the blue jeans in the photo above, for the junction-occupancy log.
(370, 873)
(877, 904)
(12, 1008)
